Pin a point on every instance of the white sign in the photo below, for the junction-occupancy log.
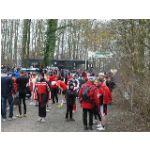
(100, 54)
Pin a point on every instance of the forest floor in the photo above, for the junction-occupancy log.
(119, 120)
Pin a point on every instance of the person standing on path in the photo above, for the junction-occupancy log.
(42, 89)
(104, 101)
(71, 95)
(54, 88)
(87, 104)
(22, 82)
(6, 94)
(32, 82)
(98, 96)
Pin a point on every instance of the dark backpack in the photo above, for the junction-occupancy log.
(85, 94)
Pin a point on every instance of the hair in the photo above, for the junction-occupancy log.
(22, 72)
(13, 75)
(101, 79)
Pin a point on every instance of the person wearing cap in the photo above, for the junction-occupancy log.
(42, 89)
(71, 95)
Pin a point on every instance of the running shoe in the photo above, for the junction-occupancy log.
(39, 119)
(101, 128)
(43, 120)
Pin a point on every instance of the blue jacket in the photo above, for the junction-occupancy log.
(17, 74)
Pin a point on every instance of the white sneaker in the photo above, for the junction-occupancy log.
(19, 116)
(99, 125)
(32, 103)
(47, 110)
(4, 120)
(43, 120)
(101, 128)
(39, 119)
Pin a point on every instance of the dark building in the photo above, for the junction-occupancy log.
(61, 64)
(68, 64)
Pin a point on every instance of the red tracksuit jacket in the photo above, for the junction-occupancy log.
(85, 104)
(106, 93)
(42, 88)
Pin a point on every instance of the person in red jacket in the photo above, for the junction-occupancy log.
(42, 89)
(97, 96)
(104, 101)
(87, 105)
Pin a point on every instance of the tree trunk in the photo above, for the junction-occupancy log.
(57, 52)
(50, 41)
(62, 46)
(24, 41)
(28, 42)
(15, 41)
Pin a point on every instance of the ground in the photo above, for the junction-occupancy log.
(118, 120)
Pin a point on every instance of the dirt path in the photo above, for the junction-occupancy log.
(118, 120)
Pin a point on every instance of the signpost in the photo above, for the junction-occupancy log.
(103, 55)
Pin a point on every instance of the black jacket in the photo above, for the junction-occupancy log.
(71, 97)
(6, 86)
(22, 82)
(111, 85)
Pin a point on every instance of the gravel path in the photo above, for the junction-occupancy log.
(118, 120)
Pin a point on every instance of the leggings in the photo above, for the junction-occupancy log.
(43, 104)
(103, 109)
(54, 94)
(85, 116)
(69, 111)
(22, 98)
(96, 113)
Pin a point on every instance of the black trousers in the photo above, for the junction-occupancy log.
(96, 113)
(105, 109)
(42, 110)
(54, 94)
(69, 110)
(42, 105)
(22, 97)
(85, 116)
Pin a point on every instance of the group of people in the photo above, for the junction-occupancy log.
(92, 91)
